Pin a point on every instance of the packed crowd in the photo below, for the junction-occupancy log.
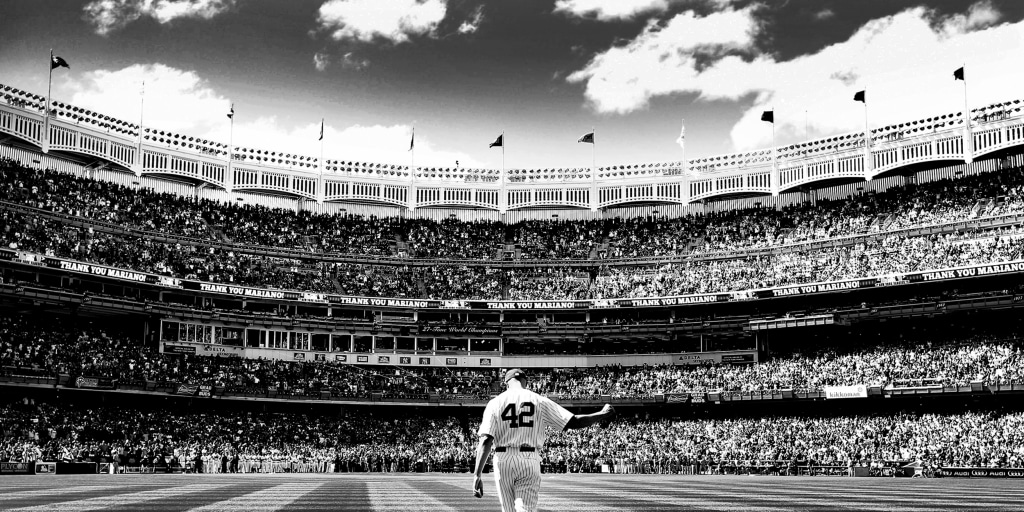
(893, 254)
(943, 201)
(230, 441)
(37, 346)
(950, 365)
(388, 441)
(646, 446)
(878, 257)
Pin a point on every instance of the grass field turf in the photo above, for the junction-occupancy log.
(443, 492)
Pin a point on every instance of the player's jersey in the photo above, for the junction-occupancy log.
(518, 417)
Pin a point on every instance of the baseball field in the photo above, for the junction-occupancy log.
(437, 492)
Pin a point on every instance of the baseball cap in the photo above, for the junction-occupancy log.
(514, 373)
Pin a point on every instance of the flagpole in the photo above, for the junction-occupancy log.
(46, 107)
(867, 134)
(868, 161)
(969, 143)
(231, 143)
(142, 110)
(775, 160)
(321, 195)
(412, 169)
(502, 179)
(593, 153)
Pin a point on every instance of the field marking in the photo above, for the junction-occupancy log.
(986, 501)
(117, 500)
(265, 500)
(930, 490)
(873, 498)
(17, 495)
(399, 496)
(702, 502)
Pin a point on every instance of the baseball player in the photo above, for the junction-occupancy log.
(513, 425)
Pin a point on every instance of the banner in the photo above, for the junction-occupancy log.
(241, 291)
(318, 298)
(103, 271)
(673, 301)
(460, 329)
(205, 390)
(95, 382)
(187, 389)
(16, 468)
(698, 358)
(178, 349)
(509, 304)
(204, 349)
(858, 391)
(981, 472)
(980, 270)
(788, 291)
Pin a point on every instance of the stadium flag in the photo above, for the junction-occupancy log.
(860, 96)
(231, 113)
(959, 74)
(768, 115)
(58, 62)
(587, 137)
(55, 62)
(321, 129)
(499, 142)
(412, 139)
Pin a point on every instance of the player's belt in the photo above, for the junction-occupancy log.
(523, 449)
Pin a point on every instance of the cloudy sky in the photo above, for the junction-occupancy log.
(544, 72)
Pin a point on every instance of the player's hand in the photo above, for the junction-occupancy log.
(608, 409)
(478, 486)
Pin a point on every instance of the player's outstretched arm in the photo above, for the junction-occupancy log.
(586, 420)
(483, 449)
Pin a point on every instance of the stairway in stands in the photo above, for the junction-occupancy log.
(337, 285)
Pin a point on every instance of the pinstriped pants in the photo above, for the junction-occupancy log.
(517, 478)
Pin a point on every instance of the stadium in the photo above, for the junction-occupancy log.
(190, 324)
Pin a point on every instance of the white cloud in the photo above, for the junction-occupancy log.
(175, 100)
(352, 62)
(661, 60)
(348, 61)
(825, 14)
(111, 15)
(979, 16)
(394, 20)
(905, 61)
(606, 10)
(184, 103)
(470, 26)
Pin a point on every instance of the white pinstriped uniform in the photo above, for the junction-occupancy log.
(517, 418)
